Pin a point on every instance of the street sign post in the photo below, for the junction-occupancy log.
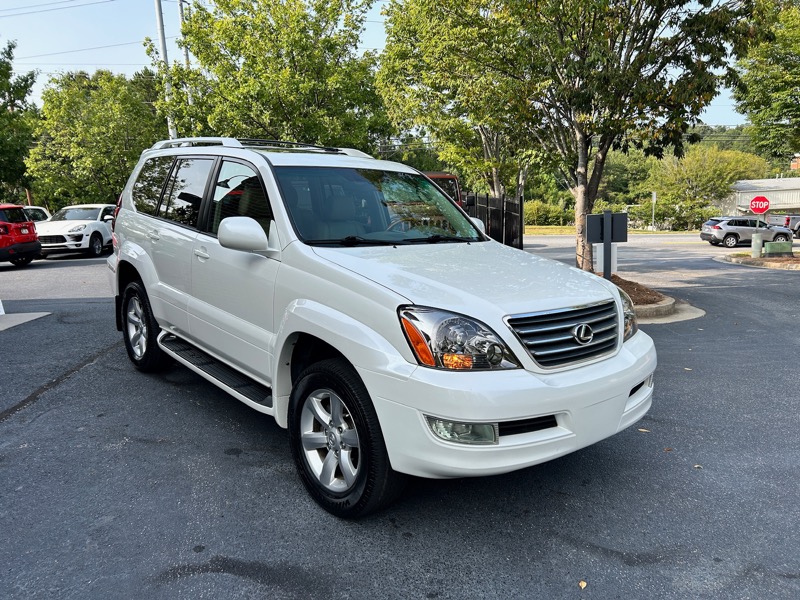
(759, 205)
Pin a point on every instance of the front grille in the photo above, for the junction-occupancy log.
(52, 239)
(549, 337)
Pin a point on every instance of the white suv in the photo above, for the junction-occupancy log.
(354, 302)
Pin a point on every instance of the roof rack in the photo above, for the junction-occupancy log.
(229, 142)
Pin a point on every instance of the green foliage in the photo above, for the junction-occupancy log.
(92, 131)
(279, 69)
(16, 122)
(571, 79)
(625, 178)
(536, 212)
(704, 176)
(768, 90)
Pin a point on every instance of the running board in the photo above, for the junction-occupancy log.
(217, 372)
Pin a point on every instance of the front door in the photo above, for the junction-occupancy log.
(231, 304)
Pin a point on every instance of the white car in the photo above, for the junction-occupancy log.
(36, 214)
(77, 228)
(358, 305)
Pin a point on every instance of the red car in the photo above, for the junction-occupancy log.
(19, 242)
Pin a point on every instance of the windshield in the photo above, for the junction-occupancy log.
(76, 214)
(332, 205)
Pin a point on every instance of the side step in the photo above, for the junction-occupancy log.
(217, 372)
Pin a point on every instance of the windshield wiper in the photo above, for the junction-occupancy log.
(352, 240)
(433, 239)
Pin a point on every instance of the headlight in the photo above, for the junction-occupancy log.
(77, 228)
(629, 313)
(445, 340)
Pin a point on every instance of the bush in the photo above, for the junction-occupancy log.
(541, 213)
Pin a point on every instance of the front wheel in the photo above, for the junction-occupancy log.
(780, 238)
(22, 262)
(730, 241)
(95, 245)
(140, 330)
(337, 442)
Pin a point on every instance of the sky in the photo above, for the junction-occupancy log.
(56, 36)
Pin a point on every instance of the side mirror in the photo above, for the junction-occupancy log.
(479, 224)
(108, 218)
(242, 233)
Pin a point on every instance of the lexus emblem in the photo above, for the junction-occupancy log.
(583, 334)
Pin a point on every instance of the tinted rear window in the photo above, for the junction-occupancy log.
(711, 222)
(13, 215)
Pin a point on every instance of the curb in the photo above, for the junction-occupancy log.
(747, 262)
(660, 309)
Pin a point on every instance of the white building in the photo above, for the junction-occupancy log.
(783, 195)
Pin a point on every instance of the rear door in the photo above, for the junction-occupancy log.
(168, 238)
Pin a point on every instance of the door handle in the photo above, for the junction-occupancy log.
(153, 235)
(200, 253)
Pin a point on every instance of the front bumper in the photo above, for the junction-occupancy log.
(588, 403)
(21, 250)
(64, 243)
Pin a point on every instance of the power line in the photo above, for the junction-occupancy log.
(36, 5)
(87, 49)
(34, 12)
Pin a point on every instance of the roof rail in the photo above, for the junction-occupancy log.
(229, 142)
(198, 141)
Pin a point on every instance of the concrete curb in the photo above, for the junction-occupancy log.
(747, 262)
(660, 309)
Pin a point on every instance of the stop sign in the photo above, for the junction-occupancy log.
(759, 205)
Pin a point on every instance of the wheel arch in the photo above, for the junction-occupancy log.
(311, 332)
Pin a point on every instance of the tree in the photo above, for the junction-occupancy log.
(281, 69)
(769, 89)
(701, 179)
(577, 78)
(16, 120)
(92, 131)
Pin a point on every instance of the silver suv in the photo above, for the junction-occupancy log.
(730, 231)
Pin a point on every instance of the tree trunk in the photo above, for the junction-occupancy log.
(583, 250)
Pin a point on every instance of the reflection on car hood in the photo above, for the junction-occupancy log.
(460, 276)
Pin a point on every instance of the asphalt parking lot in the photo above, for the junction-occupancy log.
(115, 484)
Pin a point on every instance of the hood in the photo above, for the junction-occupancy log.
(484, 277)
(58, 227)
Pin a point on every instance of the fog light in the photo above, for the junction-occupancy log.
(464, 433)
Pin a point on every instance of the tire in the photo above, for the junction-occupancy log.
(95, 245)
(780, 238)
(337, 443)
(22, 262)
(140, 330)
(730, 241)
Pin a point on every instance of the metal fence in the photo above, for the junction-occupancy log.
(502, 217)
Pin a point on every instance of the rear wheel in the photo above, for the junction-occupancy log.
(140, 330)
(22, 262)
(337, 442)
(95, 245)
(730, 241)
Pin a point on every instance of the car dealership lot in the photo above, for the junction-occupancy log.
(118, 484)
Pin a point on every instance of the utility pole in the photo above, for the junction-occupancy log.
(173, 133)
(185, 51)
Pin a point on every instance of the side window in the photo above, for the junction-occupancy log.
(185, 191)
(239, 193)
(147, 189)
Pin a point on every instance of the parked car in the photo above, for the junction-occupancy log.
(731, 231)
(78, 228)
(357, 304)
(19, 243)
(36, 213)
(781, 220)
